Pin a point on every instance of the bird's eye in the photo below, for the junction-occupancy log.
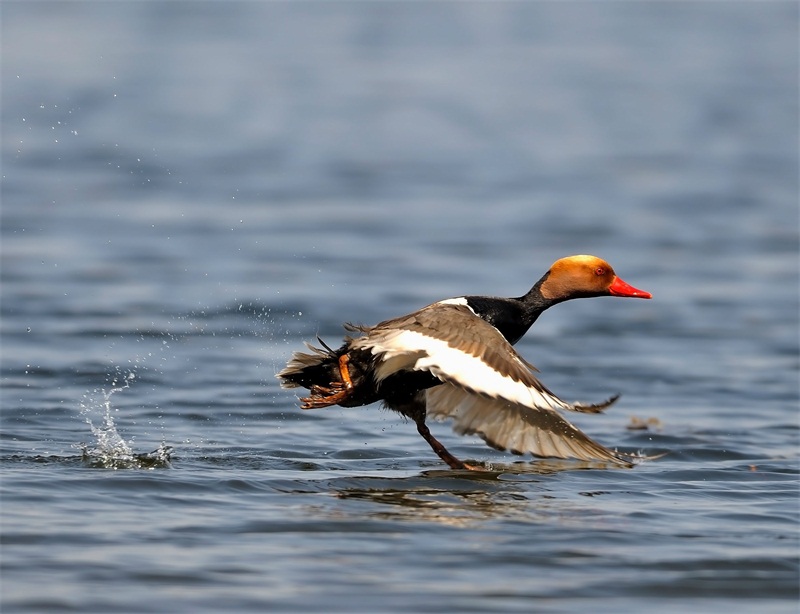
(600, 271)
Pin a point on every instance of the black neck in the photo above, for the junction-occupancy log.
(512, 316)
(533, 304)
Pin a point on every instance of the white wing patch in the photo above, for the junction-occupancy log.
(413, 351)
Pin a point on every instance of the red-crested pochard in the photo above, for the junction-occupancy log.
(454, 359)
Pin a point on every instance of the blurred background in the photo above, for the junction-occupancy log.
(191, 189)
(242, 150)
(356, 160)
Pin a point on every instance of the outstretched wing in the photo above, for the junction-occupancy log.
(490, 389)
(458, 347)
(506, 425)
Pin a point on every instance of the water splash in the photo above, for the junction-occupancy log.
(110, 449)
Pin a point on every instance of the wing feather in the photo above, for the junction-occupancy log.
(456, 346)
(488, 388)
(506, 425)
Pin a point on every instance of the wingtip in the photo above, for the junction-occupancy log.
(594, 408)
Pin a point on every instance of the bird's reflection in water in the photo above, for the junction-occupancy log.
(460, 498)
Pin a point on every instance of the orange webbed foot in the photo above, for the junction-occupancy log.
(336, 392)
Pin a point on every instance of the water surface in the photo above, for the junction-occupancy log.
(191, 190)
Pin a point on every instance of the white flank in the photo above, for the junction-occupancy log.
(459, 300)
(411, 350)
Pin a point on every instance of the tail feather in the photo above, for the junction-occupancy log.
(320, 367)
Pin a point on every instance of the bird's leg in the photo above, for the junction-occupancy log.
(323, 396)
(441, 450)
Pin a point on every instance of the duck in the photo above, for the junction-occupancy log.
(455, 360)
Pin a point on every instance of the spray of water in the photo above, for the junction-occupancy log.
(110, 450)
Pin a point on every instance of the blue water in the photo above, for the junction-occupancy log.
(191, 190)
